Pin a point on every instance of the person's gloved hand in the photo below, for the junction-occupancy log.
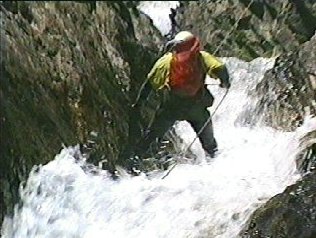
(135, 105)
(225, 85)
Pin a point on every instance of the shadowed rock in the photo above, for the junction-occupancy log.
(69, 73)
(291, 214)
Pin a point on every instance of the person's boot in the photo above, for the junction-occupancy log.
(212, 153)
(211, 148)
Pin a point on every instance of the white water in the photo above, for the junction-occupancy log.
(203, 200)
(158, 12)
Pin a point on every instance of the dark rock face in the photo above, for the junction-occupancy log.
(69, 73)
(288, 90)
(306, 160)
(288, 95)
(291, 214)
(248, 29)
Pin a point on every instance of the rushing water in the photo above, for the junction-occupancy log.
(158, 12)
(211, 199)
(206, 199)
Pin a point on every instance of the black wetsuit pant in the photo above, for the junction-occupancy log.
(177, 108)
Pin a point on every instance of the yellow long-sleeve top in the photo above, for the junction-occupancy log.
(159, 74)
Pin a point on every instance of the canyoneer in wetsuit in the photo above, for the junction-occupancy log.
(182, 73)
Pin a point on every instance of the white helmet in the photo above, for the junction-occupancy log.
(183, 36)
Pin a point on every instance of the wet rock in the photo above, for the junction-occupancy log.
(306, 159)
(291, 214)
(287, 95)
(248, 29)
(68, 69)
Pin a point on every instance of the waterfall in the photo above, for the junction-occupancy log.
(158, 12)
(206, 199)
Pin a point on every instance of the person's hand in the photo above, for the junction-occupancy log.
(225, 85)
(135, 105)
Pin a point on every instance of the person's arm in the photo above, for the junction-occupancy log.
(157, 78)
(216, 69)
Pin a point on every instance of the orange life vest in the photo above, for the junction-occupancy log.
(186, 76)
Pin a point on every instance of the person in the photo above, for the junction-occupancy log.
(180, 74)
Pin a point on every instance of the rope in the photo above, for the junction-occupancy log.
(211, 116)
(140, 92)
(205, 124)
(198, 134)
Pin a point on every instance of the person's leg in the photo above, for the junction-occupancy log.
(207, 135)
(161, 124)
